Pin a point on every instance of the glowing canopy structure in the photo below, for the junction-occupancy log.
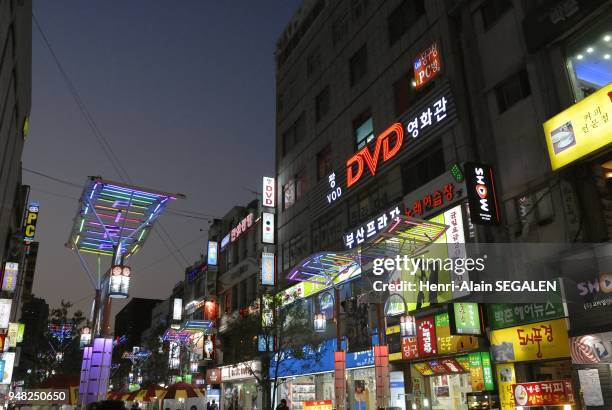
(113, 215)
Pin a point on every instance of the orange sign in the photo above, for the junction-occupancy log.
(355, 165)
(427, 65)
(318, 405)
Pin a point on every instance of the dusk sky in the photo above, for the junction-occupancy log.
(183, 92)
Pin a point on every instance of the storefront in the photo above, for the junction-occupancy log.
(530, 354)
(239, 388)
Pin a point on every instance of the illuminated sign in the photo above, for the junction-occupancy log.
(195, 324)
(20, 332)
(370, 228)
(592, 349)
(434, 196)
(212, 253)
(481, 194)
(269, 194)
(177, 309)
(426, 336)
(9, 278)
(9, 360)
(30, 225)
(465, 319)
(13, 329)
(119, 281)
(267, 227)
(243, 370)
(213, 376)
(508, 315)
(581, 129)
(335, 190)
(268, 274)
(427, 65)
(542, 340)
(545, 393)
(242, 226)
(225, 241)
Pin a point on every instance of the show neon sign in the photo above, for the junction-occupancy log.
(355, 165)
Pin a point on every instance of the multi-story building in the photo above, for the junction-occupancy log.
(379, 104)
(133, 318)
(34, 317)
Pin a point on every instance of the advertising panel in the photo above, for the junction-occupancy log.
(427, 65)
(466, 319)
(20, 332)
(476, 372)
(591, 349)
(426, 336)
(542, 340)
(213, 251)
(267, 228)
(439, 193)
(370, 228)
(580, 130)
(448, 343)
(505, 379)
(269, 192)
(13, 329)
(268, 273)
(503, 315)
(5, 312)
(544, 393)
(177, 309)
(213, 376)
(239, 371)
(482, 198)
(7, 374)
(9, 277)
(29, 230)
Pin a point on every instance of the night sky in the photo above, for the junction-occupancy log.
(184, 93)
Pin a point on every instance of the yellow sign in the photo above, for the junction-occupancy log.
(390, 331)
(542, 340)
(423, 368)
(505, 379)
(448, 343)
(581, 129)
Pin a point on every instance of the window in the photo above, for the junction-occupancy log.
(492, 10)
(423, 169)
(234, 298)
(243, 294)
(227, 302)
(402, 18)
(324, 162)
(313, 62)
(294, 134)
(339, 28)
(322, 104)
(512, 90)
(289, 194)
(369, 202)
(300, 184)
(363, 129)
(358, 65)
(294, 250)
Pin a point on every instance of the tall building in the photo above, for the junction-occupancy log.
(29, 269)
(489, 117)
(34, 317)
(133, 319)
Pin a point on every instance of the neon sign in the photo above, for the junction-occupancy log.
(242, 226)
(365, 157)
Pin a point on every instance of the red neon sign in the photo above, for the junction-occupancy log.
(355, 165)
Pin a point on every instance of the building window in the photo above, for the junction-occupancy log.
(363, 129)
(535, 209)
(234, 297)
(294, 134)
(358, 8)
(324, 162)
(227, 302)
(512, 90)
(322, 104)
(403, 17)
(358, 65)
(289, 194)
(339, 28)
(424, 168)
(294, 250)
(589, 60)
(313, 62)
(492, 10)
(405, 92)
(300, 184)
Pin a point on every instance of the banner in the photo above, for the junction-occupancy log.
(9, 277)
(542, 340)
(544, 393)
(502, 315)
(505, 379)
(426, 336)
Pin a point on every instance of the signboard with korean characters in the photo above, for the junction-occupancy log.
(434, 196)
(503, 315)
(536, 341)
(448, 343)
(29, 230)
(427, 65)
(371, 227)
(582, 129)
(465, 319)
(430, 116)
(506, 377)
(9, 276)
(544, 393)
(426, 336)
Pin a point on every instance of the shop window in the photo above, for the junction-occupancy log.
(589, 60)
(418, 172)
(294, 134)
(324, 166)
(492, 10)
(322, 104)
(358, 65)
(363, 129)
(512, 90)
(403, 17)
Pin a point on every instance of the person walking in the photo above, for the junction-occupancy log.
(282, 405)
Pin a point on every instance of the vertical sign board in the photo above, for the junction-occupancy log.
(268, 275)
(481, 194)
(465, 319)
(5, 312)
(29, 230)
(427, 65)
(269, 194)
(7, 374)
(177, 311)
(213, 250)
(267, 227)
(12, 334)
(9, 278)
(426, 336)
(505, 379)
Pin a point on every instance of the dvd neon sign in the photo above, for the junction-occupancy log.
(355, 165)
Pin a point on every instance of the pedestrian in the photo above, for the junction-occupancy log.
(208, 405)
(282, 405)
(213, 405)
